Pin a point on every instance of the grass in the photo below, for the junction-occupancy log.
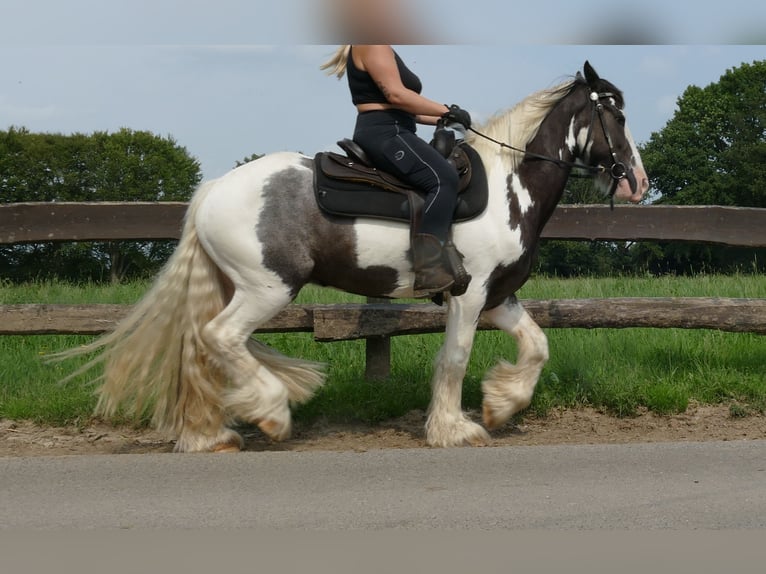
(618, 371)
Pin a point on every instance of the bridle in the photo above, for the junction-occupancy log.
(617, 171)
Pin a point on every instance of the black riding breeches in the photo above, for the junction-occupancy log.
(388, 137)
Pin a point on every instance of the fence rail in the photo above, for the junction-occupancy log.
(738, 226)
(343, 322)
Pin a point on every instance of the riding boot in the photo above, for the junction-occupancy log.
(455, 261)
(431, 270)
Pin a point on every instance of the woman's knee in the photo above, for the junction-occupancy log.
(450, 176)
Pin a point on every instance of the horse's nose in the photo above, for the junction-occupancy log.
(644, 185)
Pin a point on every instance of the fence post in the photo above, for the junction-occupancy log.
(377, 352)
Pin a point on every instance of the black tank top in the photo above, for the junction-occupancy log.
(363, 88)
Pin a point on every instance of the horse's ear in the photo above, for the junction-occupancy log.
(591, 76)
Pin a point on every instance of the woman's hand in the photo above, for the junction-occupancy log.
(457, 115)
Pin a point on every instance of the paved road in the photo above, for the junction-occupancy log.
(639, 486)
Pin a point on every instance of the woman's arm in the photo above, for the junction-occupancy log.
(427, 120)
(379, 62)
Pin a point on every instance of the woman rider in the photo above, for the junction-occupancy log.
(387, 96)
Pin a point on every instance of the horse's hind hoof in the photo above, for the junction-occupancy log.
(276, 430)
(488, 417)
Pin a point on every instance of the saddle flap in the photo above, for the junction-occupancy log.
(336, 166)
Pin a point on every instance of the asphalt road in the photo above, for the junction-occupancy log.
(638, 486)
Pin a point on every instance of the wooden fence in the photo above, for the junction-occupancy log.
(378, 321)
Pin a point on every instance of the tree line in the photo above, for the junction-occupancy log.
(711, 152)
(125, 165)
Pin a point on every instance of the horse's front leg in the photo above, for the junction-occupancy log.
(447, 425)
(508, 388)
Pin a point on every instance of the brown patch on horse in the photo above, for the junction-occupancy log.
(302, 244)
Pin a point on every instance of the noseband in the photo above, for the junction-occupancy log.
(617, 171)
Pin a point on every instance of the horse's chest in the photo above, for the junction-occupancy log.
(506, 279)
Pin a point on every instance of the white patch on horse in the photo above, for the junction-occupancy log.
(385, 243)
(522, 193)
(571, 140)
(635, 160)
(490, 238)
(584, 144)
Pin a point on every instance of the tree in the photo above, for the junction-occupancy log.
(123, 166)
(712, 152)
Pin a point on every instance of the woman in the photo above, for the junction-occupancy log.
(387, 96)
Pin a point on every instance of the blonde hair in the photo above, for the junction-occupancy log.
(337, 64)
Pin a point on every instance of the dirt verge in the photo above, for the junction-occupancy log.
(580, 426)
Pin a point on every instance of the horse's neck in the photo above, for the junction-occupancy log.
(531, 188)
(546, 180)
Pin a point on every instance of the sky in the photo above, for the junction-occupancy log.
(230, 78)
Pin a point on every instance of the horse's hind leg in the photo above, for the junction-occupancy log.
(255, 393)
(508, 388)
(447, 425)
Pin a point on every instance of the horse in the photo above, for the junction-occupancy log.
(252, 238)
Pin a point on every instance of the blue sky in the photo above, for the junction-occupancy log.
(236, 77)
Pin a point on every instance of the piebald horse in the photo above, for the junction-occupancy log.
(255, 236)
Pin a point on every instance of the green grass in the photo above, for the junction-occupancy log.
(618, 371)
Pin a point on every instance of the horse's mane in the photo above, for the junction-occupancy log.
(519, 125)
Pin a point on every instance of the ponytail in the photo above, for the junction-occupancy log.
(337, 64)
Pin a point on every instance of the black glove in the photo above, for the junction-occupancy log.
(458, 115)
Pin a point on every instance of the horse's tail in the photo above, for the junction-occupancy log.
(154, 360)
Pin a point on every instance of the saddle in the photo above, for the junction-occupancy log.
(350, 186)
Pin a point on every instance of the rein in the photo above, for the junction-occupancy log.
(617, 171)
(559, 162)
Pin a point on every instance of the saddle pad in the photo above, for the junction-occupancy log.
(348, 198)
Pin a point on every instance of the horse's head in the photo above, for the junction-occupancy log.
(607, 141)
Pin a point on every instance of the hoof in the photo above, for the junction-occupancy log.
(489, 418)
(497, 414)
(225, 440)
(230, 446)
(276, 430)
(477, 439)
(462, 432)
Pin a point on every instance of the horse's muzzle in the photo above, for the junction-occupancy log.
(633, 186)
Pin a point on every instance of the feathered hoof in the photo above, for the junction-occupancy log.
(462, 432)
(225, 440)
(495, 414)
(232, 445)
(275, 429)
(492, 420)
